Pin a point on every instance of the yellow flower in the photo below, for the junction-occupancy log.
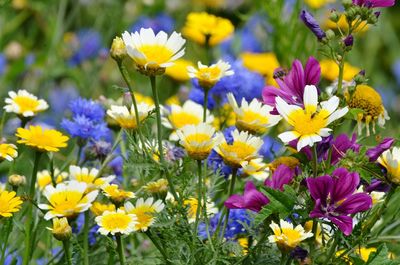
(140, 98)
(42, 139)
(145, 211)
(309, 124)
(212, 3)
(126, 118)
(197, 140)
(178, 71)
(254, 117)
(24, 103)
(208, 76)
(118, 49)
(192, 204)
(153, 53)
(9, 203)
(330, 70)
(8, 152)
(286, 236)
(316, 4)
(44, 177)
(370, 102)
(113, 222)
(159, 186)
(89, 176)
(67, 199)
(255, 168)
(244, 148)
(200, 26)
(177, 117)
(344, 25)
(61, 229)
(390, 159)
(99, 208)
(115, 194)
(365, 252)
(262, 63)
(244, 243)
(289, 161)
(173, 100)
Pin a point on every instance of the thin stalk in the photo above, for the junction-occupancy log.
(314, 231)
(30, 211)
(340, 78)
(120, 249)
(205, 105)
(3, 119)
(332, 249)
(199, 198)
(158, 116)
(315, 161)
(86, 239)
(158, 246)
(3, 250)
(67, 252)
(53, 180)
(231, 188)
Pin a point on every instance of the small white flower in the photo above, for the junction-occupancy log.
(24, 103)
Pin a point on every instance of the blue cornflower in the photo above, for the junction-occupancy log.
(160, 22)
(87, 108)
(270, 148)
(117, 165)
(82, 127)
(12, 258)
(89, 46)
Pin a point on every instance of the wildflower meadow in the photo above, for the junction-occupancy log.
(199, 132)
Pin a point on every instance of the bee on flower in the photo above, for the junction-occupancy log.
(153, 53)
(89, 176)
(99, 208)
(67, 199)
(44, 177)
(254, 117)
(309, 123)
(192, 204)
(126, 117)
(8, 152)
(9, 203)
(43, 140)
(287, 237)
(24, 104)
(116, 195)
(113, 222)
(208, 76)
(145, 211)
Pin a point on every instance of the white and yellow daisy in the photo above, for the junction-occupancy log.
(116, 194)
(89, 176)
(99, 208)
(176, 117)
(244, 148)
(254, 117)
(8, 152)
(309, 124)
(67, 199)
(126, 118)
(159, 186)
(255, 168)
(145, 211)
(192, 203)
(208, 76)
(44, 177)
(198, 140)
(390, 159)
(153, 53)
(24, 103)
(113, 222)
(286, 237)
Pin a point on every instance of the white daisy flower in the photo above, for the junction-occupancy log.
(208, 76)
(24, 103)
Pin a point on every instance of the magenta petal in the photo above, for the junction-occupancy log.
(355, 203)
(235, 202)
(312, 71)
(320, 188)
(345, 223)
(375, 152)
(317, 211)
(344, 184)
(282, 175)
(252, 199)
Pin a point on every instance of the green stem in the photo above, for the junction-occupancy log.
(158, 116)
(3, 119)
(30, 211)
(120, 249)
(199, 198)
(205, 105)
(158, 246)
(3, 250)
(332, 249)
(231, 188)
(341, 72)
(86, 239)
(67, 252)
(314, 231)
(315, 160)
(53, 179)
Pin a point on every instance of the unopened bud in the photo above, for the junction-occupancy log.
(118, 49)
(347, 3)
(17, 180)
(373, 18)
(61, 229)
(349, 41)
(360, 78)
(334, 16)
(351, 14)
(330, 34)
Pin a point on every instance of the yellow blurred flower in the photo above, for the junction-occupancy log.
(61, 229)
(344, 25)
(179, 70)
(159, 186)
(318, 3)
(8, 152)
(42, 139)
(9, 203)
(115, 194)
(208, 76)
(286, 236)
(330, 70)
(262, 63)
(44, 177)
(99, 208)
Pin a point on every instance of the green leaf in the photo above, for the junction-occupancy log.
(380, 257)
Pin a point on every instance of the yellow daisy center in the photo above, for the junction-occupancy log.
(181, 119)
(156, 53)
(26, 103)
(209, 73)
(308, 122)
(367, 99)
(291, 236)
(66, 202)
(145, 216)
(241, 149)
(116, 221)
(289, 161)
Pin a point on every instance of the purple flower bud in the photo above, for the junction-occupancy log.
(312, 24)
(362, 72)
(348, 41)
(377, 14)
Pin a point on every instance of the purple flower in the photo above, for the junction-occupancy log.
(341, 145)
(375, 152)
(312, 24)
(374, 3)
(282, 175)
(291, 86)
(335, 198)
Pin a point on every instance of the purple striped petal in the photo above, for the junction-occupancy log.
(320, 188)
(355, 203)
(345, 223)
(344, 184)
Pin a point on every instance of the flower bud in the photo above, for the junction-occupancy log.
(313, 25)
(118, 49)
(330, 34)
(351, 14)
(61, 229)
(360, 78)
(347, 3)
(373, 18)
(334, 16)
(16, 180)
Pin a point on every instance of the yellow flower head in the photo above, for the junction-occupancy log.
(118, 49)
(115, 194)
(208, 76)
(9, 203)
(202, 26)
(99, 208)
(316, 4)
(24, 103)
(178, 71)
(153, 53)
(244, 148)
(344, 25)
(44, 177)
(192, 204)
(286, 236)
(8, 152)
(140, 98)
(61, 229)
(330, 70)
(262, 63)
(255, 168)
(67, 199)
(145, 211)
(390, 159)
(197, 140)
(126, 117)
(254, 117)
(365, 252)
(177, 117)
(309, 124)
(42, 139)
(288, 161)
(113, 222)
(370, 102)
(89, 176)
(159, 186)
